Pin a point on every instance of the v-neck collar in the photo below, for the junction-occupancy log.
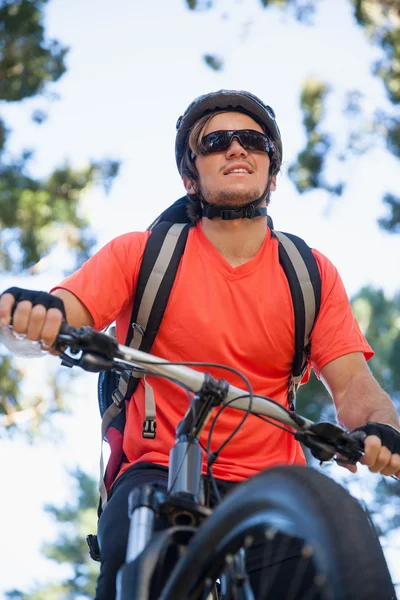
(219, 262)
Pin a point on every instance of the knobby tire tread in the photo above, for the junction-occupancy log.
(319, 506)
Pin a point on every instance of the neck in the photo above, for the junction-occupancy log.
(238, 240)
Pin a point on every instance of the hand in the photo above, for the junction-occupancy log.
(38, 315)
(378, 458)
(381, 448)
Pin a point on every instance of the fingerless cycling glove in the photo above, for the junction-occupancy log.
(35, 297)
(388, 435)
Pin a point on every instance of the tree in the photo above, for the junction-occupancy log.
(36, 215)
(75, 520)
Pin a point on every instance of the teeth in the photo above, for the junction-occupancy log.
(238, 171)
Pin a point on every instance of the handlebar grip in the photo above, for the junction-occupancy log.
(66, 329)
(359, 437)
(87, 340)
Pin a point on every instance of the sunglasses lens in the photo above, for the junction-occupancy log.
(253, 140)
(219, 141)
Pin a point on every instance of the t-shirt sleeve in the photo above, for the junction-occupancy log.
(336, 331)
(105, 283)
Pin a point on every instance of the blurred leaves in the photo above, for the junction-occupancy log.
(74, 522)
(39, 116)
(214, 62)
(393, 136)
(307, 172)
(10, 380)
(39, 217)
(381, 21)
(303, 9)
(366, 127)
(28, 61)
(27, 413)
(199, 4)
(392, 222)
(379, 320)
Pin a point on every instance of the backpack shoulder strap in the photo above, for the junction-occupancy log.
(160, 262)
(302, 272)
(161, 258)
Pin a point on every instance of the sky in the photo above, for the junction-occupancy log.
(133, 67)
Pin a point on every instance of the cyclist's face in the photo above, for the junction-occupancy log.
(235, 175)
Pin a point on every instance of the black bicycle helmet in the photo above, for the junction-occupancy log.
(222, 100)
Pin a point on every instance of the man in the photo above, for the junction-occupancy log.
(230, 304)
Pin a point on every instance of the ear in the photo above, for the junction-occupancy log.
(190, 185)
(273, 184)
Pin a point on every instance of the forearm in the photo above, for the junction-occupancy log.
(77, 313)
(364, 400)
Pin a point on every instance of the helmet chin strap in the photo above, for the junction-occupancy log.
(249, 211)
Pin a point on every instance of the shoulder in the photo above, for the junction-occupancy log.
(328, 271)
(127, 245)
(295, 245)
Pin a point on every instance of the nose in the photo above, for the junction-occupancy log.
(236, 149)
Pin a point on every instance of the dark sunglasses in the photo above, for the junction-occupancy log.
(249, 139)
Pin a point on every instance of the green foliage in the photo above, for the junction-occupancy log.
(392, 222)
(312, 103)
(306, 173)
(27, 60)
(75, 521)
(313, 401)
(379, 319)
(381, 21)
(199, 4)
(303, 9)
(214, 62)
(3, 135)
(393, 137)
(10, 380)
(36, 215)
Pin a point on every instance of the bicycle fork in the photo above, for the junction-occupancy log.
(181, 506)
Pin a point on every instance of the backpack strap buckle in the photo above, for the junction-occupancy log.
(149, 428)
(118, 398)
(121, 393)
(94, 548)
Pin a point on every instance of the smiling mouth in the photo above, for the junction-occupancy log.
(238, 172)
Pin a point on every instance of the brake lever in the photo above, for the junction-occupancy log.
(86, 339)
(325, 440)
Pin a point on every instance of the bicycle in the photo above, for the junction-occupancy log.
(207, 549)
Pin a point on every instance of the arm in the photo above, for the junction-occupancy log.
(77, 313)
(40, 322)
(358, 399)
(94, 295)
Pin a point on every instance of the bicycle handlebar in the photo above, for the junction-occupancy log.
(96, 351)
(88, 340)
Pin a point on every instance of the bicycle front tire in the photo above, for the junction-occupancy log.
(310, 506)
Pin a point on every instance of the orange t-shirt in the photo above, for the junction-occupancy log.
(241, 317)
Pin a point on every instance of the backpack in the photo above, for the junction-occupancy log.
(161, 258)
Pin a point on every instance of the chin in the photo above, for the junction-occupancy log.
(233, 197)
